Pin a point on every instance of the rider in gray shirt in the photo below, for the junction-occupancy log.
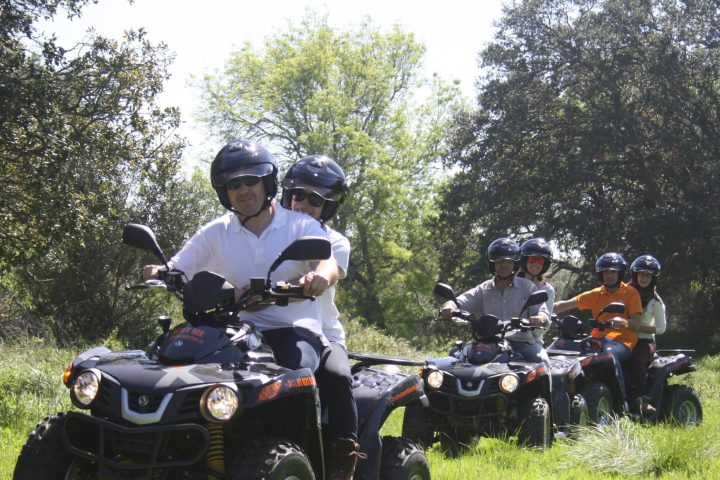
(504, 296)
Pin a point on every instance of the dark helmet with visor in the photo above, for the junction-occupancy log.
(648, 264)
(611, 261)
(239, 158)
(535, 247)
(503, 249)
(321, 175)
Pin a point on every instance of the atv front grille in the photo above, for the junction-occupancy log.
(466, 408)
(134, 448)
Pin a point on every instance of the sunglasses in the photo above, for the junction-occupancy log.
(247, 180)
(313, 198)
(539, 260)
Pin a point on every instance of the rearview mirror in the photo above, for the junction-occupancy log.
(140, 236)
(443, 290)
(614, 307)
(305, 248)
(535, 298)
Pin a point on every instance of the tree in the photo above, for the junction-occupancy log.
(348, 94)
(83, 149)
(597, 126)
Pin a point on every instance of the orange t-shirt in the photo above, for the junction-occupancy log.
(598, 298)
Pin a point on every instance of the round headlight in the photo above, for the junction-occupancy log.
(508, 383)
(86, 387)
(435, 378)
(219, 403)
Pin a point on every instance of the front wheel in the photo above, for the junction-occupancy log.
(536, 426)
(44, 457)
(579, 414)
(682, 406)
(599, 401)
(417, 425)
(403, 459)
(271, 459)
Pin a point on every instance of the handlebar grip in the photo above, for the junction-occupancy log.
(288, 289)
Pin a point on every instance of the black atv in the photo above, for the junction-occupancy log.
(208, 401)
(482, 388)
(594, 374)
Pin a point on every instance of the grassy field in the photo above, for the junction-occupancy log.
(30, 389)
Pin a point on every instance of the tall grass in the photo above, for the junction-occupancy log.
(31, 389)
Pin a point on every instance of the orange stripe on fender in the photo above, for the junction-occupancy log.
(405, 392)
(301, 382)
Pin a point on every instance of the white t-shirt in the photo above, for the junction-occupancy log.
(332, 328)
(225, 247)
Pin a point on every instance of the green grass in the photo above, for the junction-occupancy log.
(31, 389)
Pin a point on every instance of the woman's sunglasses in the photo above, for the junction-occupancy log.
(313, 198)
(247, 180)
(540, 260)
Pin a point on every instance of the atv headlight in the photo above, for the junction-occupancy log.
(435, 378)
(508, 383)
(86, 387)
(219, 403)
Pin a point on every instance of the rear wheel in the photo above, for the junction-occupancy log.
(403, 459)
(271, 459)
(536, 426)
(44, 457)
(599, 402)
(417, 425)
(682, 406)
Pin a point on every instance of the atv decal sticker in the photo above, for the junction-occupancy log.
(181, 373)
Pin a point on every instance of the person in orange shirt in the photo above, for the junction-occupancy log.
(622, 337)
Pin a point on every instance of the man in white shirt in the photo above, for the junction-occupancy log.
(244, 242)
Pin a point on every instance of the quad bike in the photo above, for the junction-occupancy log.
(207, 400)
(595, 374)
(482, 388)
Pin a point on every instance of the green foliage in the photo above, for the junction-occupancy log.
(349, 94)
(596, 127)
(84, 148)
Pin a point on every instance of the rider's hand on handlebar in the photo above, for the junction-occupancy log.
(151, 271)
(536, 321)
(616, 322)
(314, 284)
(447, 309)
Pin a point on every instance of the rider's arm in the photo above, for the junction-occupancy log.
(564, 305)
(659, 316)
(635, 324)
(323, 274)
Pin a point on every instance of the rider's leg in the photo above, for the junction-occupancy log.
(295, 348)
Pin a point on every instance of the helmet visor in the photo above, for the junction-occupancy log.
(325, 192)
(255, 170)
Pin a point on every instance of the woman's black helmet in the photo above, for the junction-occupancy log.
(243, 157)
(611, 261)
(646, 263)
(535, 247)
(503, 249)
(320, 174)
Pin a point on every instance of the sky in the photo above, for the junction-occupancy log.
(202, 35)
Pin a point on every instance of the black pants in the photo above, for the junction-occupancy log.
(637, 364)
(295, 348)
(335, 383)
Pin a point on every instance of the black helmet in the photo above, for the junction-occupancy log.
(503, 249)
(535, 247)
(243, 157)
(320, 174)
(611, 261)
(646, 263)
